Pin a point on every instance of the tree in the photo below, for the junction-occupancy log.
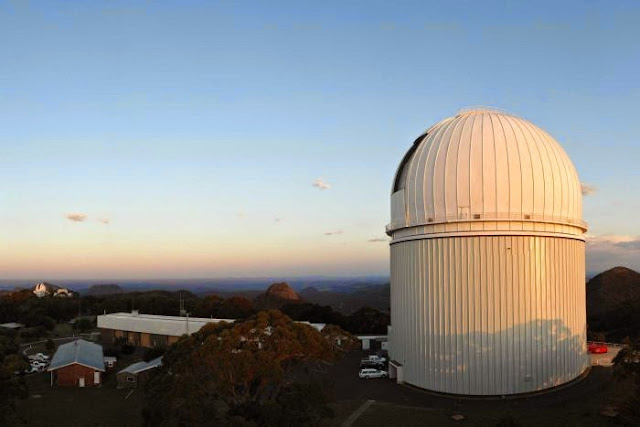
(12, 386)
(627, 367)
(339, 338)
(250, 371)
(153, 352)
(367, 320)
(50, 345)
(83, 324)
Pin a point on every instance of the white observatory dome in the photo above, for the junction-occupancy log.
(487, 260)
(484, 165)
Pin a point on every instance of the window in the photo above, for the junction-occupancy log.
(131, 379)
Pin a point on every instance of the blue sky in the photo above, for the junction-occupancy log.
(190, 133)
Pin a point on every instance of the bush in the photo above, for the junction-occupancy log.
(112, 352)
(127, 349)
(83, 324)
(153, 352)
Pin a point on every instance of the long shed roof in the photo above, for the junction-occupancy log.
(138, 367)
(155, 324)
(175, 326)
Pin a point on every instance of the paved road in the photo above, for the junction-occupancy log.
(347, 386)
(27, 348)
(606, 359)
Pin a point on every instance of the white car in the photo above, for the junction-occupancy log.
(41, 357)
(372, 373)
(37, 364)
(31, 370)
(374, 358)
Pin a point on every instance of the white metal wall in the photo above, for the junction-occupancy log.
(488, 315)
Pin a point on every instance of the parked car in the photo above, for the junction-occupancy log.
(41, 357)
(372, 373)
(374, 358)
(38, 364)
(374, 365)
(597, 348)
(32, 370)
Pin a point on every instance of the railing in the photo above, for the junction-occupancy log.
(487, 217)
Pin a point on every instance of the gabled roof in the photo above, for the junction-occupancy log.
(82, 352)
(138, 367)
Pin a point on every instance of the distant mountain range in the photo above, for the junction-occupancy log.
(208, 286)
(613, 297)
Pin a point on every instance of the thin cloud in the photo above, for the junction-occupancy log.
(76, 216)
(616, 240)
(333, 233)
(607, 251)
(104, 220)
(240, 215)
(378, 239)
(588, 189)
(278, 219)
(321, 184)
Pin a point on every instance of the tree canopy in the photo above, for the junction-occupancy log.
(249, 371)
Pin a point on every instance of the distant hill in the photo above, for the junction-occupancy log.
(99, 290)
(276, 296)
(309, 292)
(349, 299)
(613, 303)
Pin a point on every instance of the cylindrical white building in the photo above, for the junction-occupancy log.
(487, 259)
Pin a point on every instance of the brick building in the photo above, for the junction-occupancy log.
(78, 363)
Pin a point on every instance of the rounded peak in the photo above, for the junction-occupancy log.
(470, 111)
(282, 290)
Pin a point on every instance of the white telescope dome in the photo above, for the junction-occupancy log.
(488, 166)
(487, 260)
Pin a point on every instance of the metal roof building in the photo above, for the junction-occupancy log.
(77, 363)
(487, 259)
(174, 326)
(150, 330)
(130, 376)
(81, 352)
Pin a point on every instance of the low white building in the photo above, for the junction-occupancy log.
(151, 330)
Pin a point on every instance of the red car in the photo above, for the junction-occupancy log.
(597, 348)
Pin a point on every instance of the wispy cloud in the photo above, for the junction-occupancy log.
(278, 219)
(240, 215)
(606, 251)
(76, 216)
(104, 220)
(616, 240)
(321, 184)
(333, 233)
(378, 239)
(588, 189)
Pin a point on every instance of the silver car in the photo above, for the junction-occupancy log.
(372, 373)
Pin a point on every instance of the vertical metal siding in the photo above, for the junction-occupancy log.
(488, 315)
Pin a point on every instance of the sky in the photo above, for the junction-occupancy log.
(213, 139)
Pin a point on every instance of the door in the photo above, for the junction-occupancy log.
(96, 378)
(81, 381)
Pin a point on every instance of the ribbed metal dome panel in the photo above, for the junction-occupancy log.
(486, 165)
